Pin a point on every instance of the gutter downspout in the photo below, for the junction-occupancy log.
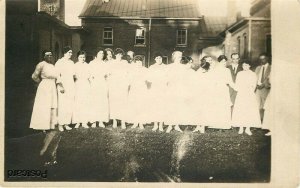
(249, 40)
(149, 39)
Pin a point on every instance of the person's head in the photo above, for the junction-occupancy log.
(263, 58)
(119, 53)
(208, 59)
(81, 55)
(176, 56)
(67, 50)
(130, 54)
(109, 53)
(204, 65)
(189, 60)
(139, 61)
(100, 54)
(235, 57)
(47, 56)
(246, 64)
(158, 58)
(222, 60)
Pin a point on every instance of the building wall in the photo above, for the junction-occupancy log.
(162, 36)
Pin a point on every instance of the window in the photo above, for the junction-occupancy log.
(140, 36)
(245, 55)
(108, 36)
(181, 37)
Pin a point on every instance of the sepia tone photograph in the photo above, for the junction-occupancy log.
(140, 91)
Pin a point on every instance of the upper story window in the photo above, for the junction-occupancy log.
(140, 36)
(181, 37)
(108, 36)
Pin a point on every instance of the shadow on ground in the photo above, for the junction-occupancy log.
(106, 155)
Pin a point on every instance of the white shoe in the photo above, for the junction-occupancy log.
(241, 130)
(101, 125)
(202, 129)
(115, 124)
(123, 126)
(94, 125)
(248, 132)
(77, 125)
(160, 127)
(169, 129)
(60, 128)
(177, 128)
(84, 125)
(196, 129)
(155, 127)
(135, 125)
(68, 128)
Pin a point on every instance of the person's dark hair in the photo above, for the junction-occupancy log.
(127, 58)
(234, 54)
(44, 53)
(81, 52)
(188, 58)
(119, 51)
(221, 57)
(157, 54)
(138, 58)
(104, 52)
(245, 61)
(204, 65)
(66, 49)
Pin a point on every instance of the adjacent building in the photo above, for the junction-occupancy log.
(250, 36)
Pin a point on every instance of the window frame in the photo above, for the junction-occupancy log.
(136, 37)
(112, 36)
(177, 37)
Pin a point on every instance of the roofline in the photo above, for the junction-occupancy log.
(244, 20)
(138, 18)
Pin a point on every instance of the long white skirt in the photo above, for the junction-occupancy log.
(66, 103)
(45, 106)
(82, 113)
(246, 111)
(99, 101)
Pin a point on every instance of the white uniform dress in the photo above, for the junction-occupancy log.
(45, 103)
(245, 111)
(99, 91)
(66, 70)
(219, 110)
(175, 94)
(157, 92)
(118, 89)
(82, 111)
(137, 96)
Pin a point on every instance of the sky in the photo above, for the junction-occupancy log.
(207, 8)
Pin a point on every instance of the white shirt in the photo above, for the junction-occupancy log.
(263, 67)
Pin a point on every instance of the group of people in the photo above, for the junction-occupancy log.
(116, 86)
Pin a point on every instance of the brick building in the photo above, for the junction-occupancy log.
(250, 36)
(28, 33)
(143, 26)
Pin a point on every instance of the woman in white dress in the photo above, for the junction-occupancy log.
(82, 112)
(220, 106)
(245, 113)
(202, 92)
(45, 103)
(66, 89)
(99, 90)
(157, 92)
(118, 88)
(137, 95)
(174, 100)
